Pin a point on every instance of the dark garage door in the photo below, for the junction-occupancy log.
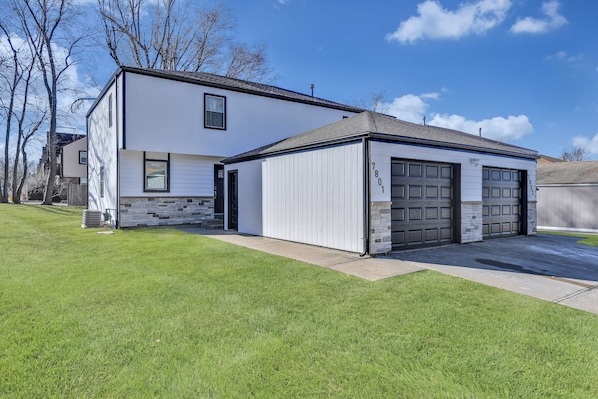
(423, 204)
(501, 196)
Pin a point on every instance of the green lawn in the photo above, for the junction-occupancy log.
(587, 239)
(161, 313)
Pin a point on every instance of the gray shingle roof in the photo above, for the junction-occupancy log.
(223, 82)
(373, 125)
(582, 172)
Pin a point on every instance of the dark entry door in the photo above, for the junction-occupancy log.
(218, 189)
(423, 204)
(233, 200)
(501, 208)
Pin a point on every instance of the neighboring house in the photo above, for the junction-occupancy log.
(72, 161)
(71, 150)
(568, 196)
(547, 159)
(72, 169)
(156, 139)
(372, 183)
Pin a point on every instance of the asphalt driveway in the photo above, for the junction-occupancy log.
(550, 267)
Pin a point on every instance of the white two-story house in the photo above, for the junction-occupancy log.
(156, 140)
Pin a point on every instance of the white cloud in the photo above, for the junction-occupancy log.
(435, 22)
(507, 129)
(586, 143)
(279, 3)
(552, 20)
(412, 108)
(565, 57)
(409, 108)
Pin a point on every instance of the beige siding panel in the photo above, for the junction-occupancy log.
(315, 197)
(568, 207)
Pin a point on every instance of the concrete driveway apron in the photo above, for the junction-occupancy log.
(550, 267)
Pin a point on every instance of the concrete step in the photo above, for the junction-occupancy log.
(213, 224)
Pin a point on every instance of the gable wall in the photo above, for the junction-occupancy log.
(167, 116)
(102, 143)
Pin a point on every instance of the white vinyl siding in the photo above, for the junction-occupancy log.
(167, 115)
(315, 197)
(471, 167)
(189, 175)
(102, 155)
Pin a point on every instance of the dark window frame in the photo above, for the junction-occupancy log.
(205, 111)
(110, 110)
(167, 174)
(80, 153)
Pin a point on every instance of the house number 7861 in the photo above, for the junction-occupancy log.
(377, 176)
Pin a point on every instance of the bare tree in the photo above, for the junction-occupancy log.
(179, 35)
(45, 24)
(28, 125)
(11, 74)
(574, 154)
(373, 102)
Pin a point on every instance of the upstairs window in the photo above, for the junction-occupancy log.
(215, 112)
(83, 157)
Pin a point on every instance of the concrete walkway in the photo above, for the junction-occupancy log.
(577, 293)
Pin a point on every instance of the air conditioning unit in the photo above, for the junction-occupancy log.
(91, 219)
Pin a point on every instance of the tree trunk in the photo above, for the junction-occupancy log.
(16, 198)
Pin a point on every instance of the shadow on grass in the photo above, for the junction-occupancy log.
(55, 209)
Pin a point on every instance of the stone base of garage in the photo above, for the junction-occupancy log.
(164, 211)
(470, 224)
(471, 221)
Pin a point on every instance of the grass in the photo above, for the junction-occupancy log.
(161, 313)
(586, 239)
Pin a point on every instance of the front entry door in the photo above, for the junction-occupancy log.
(233, 200)
(218, 189)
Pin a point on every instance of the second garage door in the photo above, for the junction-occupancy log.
(501, 196)
(423, 204)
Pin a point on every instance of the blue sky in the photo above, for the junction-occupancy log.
(525, 71)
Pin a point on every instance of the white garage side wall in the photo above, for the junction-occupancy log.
(190, 175)
(471, 167)
(167, 116)
(249, 196)
(102, 152)
(316, 197)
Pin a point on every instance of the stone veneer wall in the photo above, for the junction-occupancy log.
(162, 211)
(532, 218)
(380, 230)
(471, 221)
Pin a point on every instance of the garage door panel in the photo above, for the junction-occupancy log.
(501, 196)
(432, 191)
(415, 191)
(422, 203)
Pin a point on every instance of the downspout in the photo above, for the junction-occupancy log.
(117, 125)
(366, 195)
